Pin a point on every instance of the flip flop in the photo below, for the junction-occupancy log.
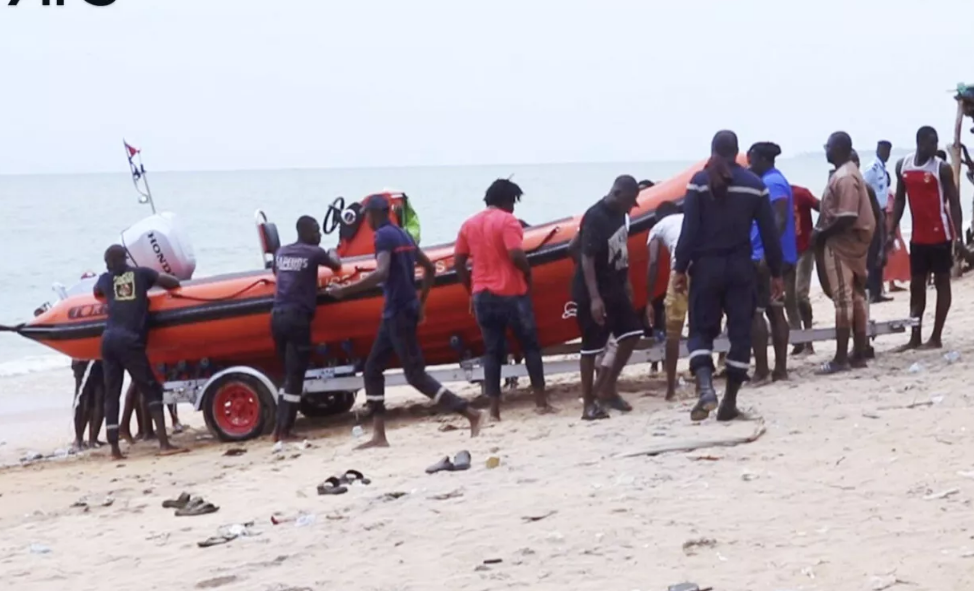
(594, 413)
(444, 465)
(352, 476)
(461, 461)
(830, 368)
(618, 403)
(215, 541)
(200, 507)
(332, 486)
(177, 503)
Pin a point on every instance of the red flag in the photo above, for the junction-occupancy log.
(132, 151)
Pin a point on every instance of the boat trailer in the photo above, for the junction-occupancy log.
(239, 403)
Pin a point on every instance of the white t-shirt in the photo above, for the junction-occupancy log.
(667, 230)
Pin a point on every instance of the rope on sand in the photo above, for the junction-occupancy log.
(685, 446)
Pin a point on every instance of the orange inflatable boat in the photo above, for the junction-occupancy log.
(223, 321)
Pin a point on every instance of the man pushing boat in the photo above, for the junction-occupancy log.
(295, 300)
(123, 343)
(396, 259)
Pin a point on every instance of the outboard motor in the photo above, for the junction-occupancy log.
(160, 243)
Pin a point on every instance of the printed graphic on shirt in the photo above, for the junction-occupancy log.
(286, 263)
(619, 249)
(125, 286)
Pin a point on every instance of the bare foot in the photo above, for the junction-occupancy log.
(382, 442)
(475, 422)
(117, 453)
(127, 437)
(779, 376)
(545, 409)
(913, 344)
(670, 394)
(759, 381)
(171, 450)
(932, 344)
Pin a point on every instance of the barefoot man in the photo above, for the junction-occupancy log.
(295, 300)
(928, 183)
(844, 233)
(123, 343)
(396, 258)
(501, 289)
(666, 234)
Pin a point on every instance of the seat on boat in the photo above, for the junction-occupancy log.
(270, 240)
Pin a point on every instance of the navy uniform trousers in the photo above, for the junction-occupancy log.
(722, 286)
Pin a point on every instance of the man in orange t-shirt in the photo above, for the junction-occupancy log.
(501, 285)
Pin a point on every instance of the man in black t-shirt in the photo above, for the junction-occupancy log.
(123, 343)
(603, 294)
(295, 300)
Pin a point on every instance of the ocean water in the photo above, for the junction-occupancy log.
(57, 227)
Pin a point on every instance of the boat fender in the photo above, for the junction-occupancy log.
(246, 370)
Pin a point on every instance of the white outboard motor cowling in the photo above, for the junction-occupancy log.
(160, 243)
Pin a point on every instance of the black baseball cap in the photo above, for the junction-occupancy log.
(376, 203)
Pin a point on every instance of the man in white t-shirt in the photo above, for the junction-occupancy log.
(666, 234)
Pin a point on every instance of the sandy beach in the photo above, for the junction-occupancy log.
(859, 481)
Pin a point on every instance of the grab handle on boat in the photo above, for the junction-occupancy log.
(554, 231)
(181, 296)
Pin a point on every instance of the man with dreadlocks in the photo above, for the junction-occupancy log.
(721, 202)
(501, 288)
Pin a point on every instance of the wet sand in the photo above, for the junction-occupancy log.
(861, 481)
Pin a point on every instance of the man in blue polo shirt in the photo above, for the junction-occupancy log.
(761, 159)
(396, 259)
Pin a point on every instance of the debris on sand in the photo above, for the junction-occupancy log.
(690, 546)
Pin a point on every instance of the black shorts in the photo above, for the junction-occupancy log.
(931, 258)
(621, 321)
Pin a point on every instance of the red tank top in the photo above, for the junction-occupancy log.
(931, 217)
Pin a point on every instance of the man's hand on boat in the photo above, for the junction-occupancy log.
(335, 291)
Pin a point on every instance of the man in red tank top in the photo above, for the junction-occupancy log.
(928, 183)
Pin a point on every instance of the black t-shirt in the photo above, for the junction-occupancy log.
(128, 303)
(296, 267)
(605, 238)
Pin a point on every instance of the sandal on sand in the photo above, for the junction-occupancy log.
(462, 461)
(197, 506)
(831, 367)
(177, 503)
(352, 476)
(594, 412)
(332, 486)
(215, 541)
(618, 403)
(444, 465)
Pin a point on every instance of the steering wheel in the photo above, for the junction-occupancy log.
(333, 217)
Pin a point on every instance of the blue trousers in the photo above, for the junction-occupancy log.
(722, 286)
(496, 315)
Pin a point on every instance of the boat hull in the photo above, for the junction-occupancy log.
(226, 319)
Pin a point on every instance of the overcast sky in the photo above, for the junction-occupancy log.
(243, 84)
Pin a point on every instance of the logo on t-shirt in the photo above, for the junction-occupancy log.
(619, 249)
(124, 286)
(285, 263)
